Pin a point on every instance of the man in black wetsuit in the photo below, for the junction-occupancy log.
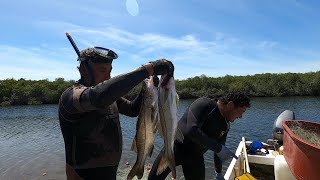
(89, 113)
(205, 126)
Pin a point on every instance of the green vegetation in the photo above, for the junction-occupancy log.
(24, 92)
(259, 85)
(27, 92)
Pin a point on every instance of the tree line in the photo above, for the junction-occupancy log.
(28, 92)
(259, 85)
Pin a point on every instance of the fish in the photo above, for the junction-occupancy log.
(146, 128)
(168, 101)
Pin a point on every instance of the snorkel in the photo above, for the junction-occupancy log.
(82, 60)
(73, 44)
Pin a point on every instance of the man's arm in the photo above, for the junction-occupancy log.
(217, 160)
(107, 92)
(130, 108)
(83, 99)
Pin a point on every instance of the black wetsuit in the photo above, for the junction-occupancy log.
(203, 128)
(89, 121)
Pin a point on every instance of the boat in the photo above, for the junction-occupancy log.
(268, 163)
(239, 168)
(262, 160)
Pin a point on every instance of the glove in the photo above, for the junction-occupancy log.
(162, 66)
(219, 176)
(225, 154)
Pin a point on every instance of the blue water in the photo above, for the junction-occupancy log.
(31, 144)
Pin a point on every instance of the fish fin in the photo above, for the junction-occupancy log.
(134, 145)
(156, 124)
(155, 116)
(155, 129)
(151, 150)
(160, 130)
(172, 166)
(165, 162)
(177, 99)
(179, 136)
(166, 99)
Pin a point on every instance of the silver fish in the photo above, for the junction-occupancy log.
(168, 100)
(146, 128)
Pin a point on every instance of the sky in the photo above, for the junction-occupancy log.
(201, 37)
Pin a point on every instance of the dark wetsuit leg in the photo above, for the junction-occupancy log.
(102, 173)
(193, 168)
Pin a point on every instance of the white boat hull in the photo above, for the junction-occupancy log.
(273, 165)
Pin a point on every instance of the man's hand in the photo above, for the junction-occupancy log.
(162, 66)
(226, 154)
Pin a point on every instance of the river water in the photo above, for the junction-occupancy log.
(31, 143)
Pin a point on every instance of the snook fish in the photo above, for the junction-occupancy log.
(146, 128)
(168, 99)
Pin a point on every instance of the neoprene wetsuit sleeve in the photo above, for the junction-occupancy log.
(198, 111)
(130, 108)
(108, 91)
(217, 160)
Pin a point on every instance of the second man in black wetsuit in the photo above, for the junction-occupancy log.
(89, 113)
(205, 126)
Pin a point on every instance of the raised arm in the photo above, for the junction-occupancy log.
(105, 93)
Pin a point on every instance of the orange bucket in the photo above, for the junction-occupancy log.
(303, 158)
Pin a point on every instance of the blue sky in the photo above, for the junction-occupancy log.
(211, 37)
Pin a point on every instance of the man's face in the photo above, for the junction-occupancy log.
(236, 112)
(101, 71)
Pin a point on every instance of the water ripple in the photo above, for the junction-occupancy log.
(32, 147)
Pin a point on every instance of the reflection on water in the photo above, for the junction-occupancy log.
(31, 144)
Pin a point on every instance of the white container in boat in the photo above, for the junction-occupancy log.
(281, 169)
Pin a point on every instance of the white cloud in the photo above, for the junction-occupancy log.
(267, 44)
(34, 63)
(216, 56)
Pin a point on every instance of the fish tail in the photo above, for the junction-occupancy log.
(163, 164)
(136, 171)
(140, 172)
(132, 173)
(172, 166)
(167, 161)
